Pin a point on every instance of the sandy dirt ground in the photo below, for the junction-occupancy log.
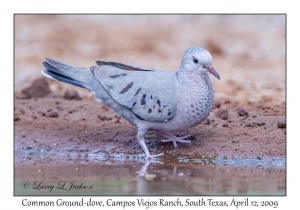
(248, 118)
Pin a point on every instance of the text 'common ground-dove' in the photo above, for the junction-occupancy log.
(150, 99)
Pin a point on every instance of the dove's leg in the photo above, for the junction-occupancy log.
(140, 137)
(173, 138)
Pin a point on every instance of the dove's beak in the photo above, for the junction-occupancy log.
(212, 70)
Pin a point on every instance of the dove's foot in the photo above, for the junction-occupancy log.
(147, 153)
(153, 157)
(173, 138)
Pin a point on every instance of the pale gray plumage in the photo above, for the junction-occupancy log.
(150, 99)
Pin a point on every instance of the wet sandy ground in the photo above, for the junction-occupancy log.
(248, 53)
(84, 125)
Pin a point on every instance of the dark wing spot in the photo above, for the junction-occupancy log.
(125, 89)
(138, 117)
(153, 106)
(137, 92)
(164, 105)
(124, 74)
(151, 97)
(149, 110)
(158, 102)
(133, 104)
(144, 95)
(114, 76)
(169, 113)
(192, 105)
(143, 101)
(159, 111)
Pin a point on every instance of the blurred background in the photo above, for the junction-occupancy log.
(248, 50)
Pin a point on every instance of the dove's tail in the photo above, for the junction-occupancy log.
(66, 73)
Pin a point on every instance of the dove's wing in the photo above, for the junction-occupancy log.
(149, 93)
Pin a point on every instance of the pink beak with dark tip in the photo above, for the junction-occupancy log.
(212, 70)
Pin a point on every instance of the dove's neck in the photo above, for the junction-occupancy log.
(194, 79)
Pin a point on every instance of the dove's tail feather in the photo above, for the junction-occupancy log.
(82, 77)
(66, 73)
(62, 78)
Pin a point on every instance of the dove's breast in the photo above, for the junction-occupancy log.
(194, 104)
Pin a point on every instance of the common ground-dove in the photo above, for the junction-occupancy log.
(150, 99)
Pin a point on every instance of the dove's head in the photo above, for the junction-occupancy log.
(198, 61)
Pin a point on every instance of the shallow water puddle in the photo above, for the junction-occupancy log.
(40, 172)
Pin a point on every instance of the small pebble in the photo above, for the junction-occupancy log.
(281, 124)
(103, 118)
(225, 125)
(248, 125)
(260, 123)
(16, 119)
(59, 108)
(227, 101)
(71, 94)
(39, 88)
(236, 141)
(217, 104)
(254, 116)
(53, 114)
(42, 113)
(206, 121)
(242, 111)
(222, 113)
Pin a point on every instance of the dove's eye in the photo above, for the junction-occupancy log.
(195, 60)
